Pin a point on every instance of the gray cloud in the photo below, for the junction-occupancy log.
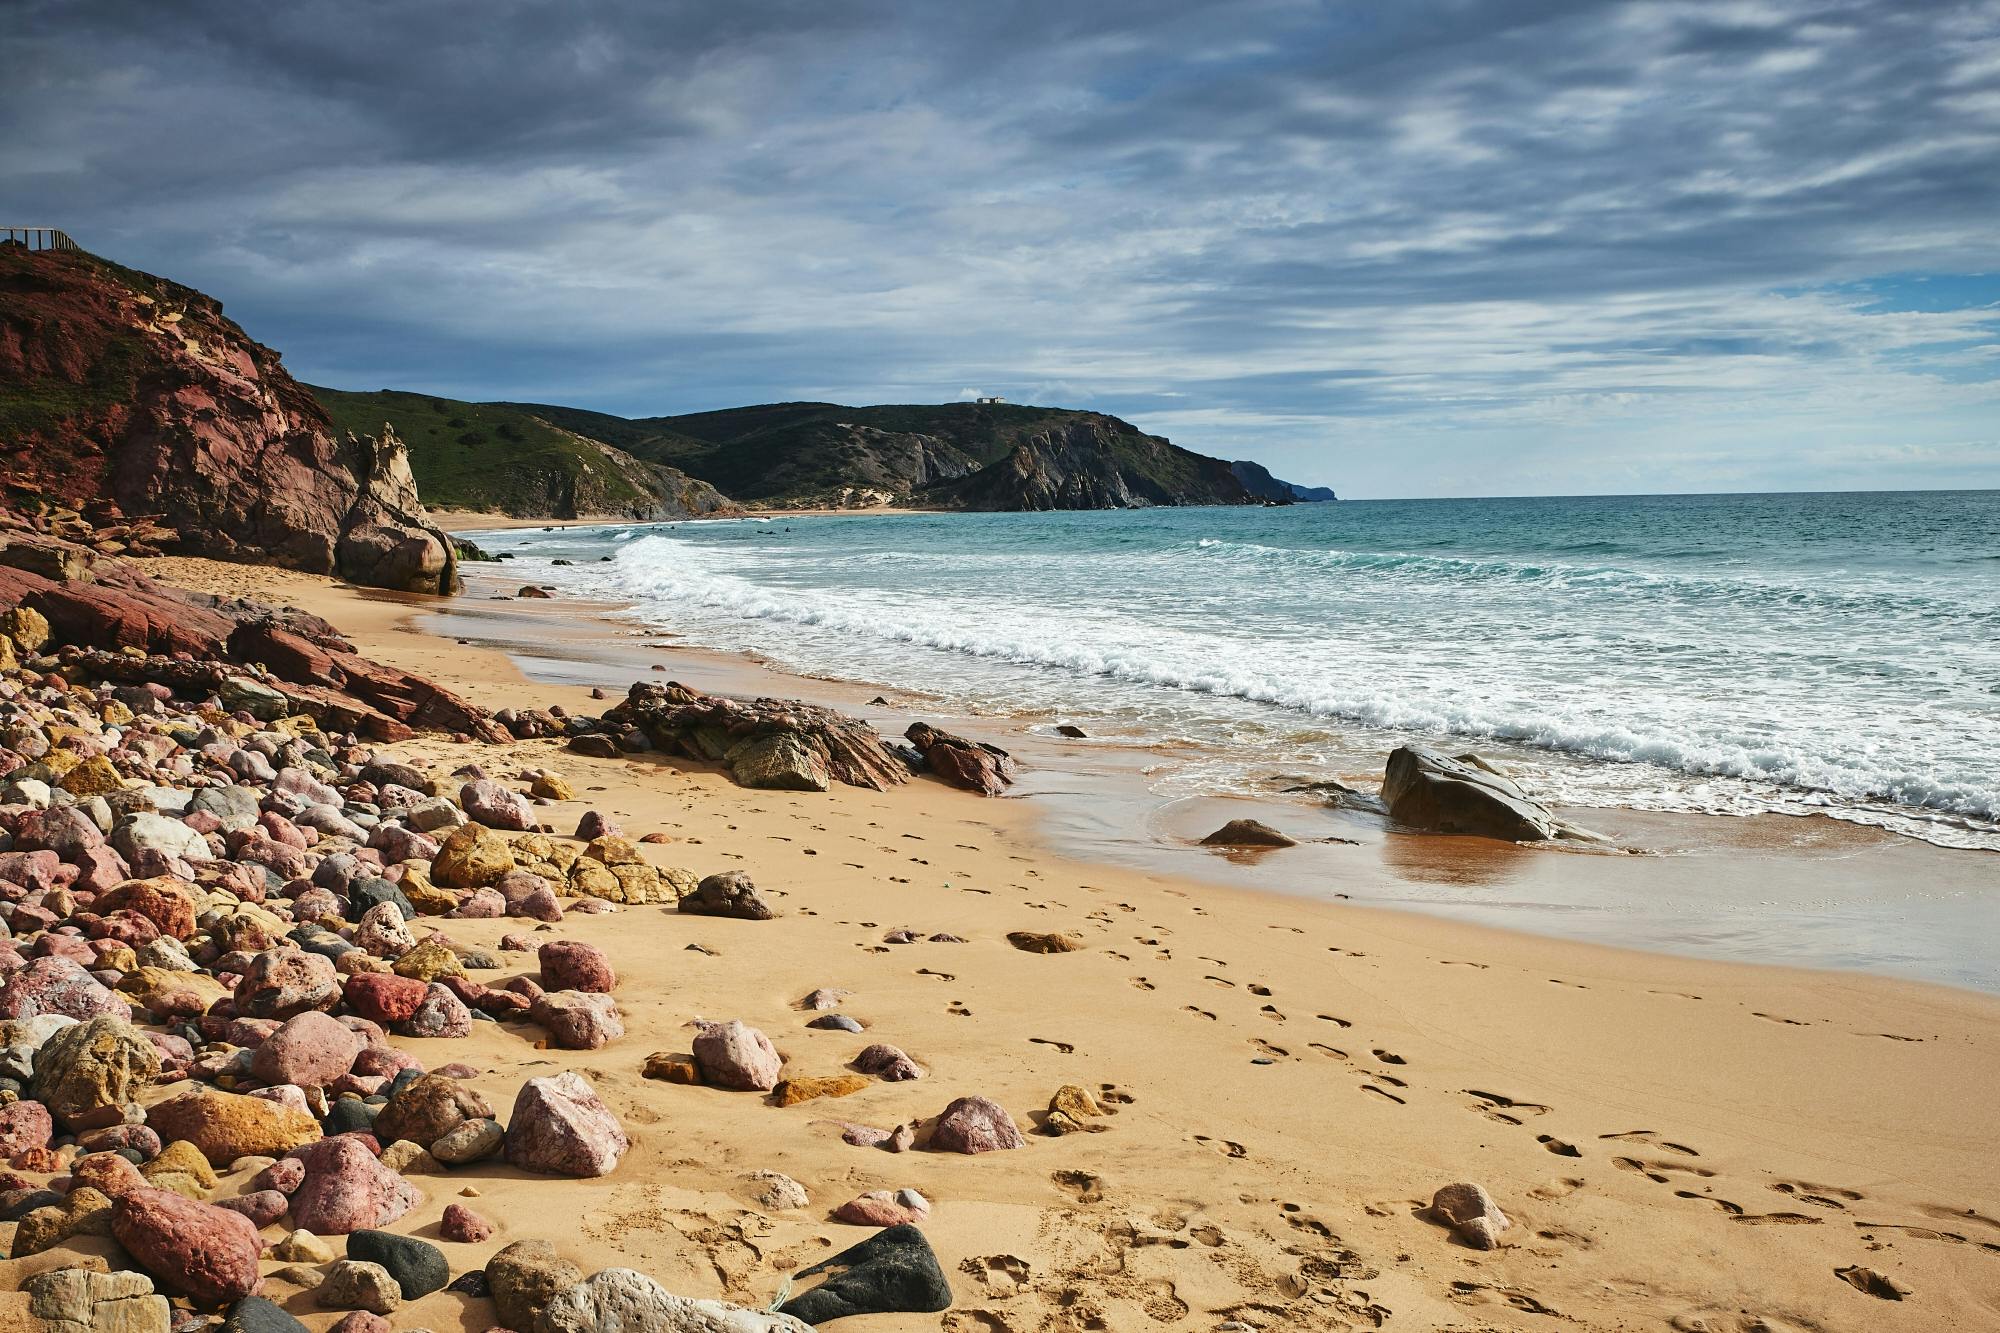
(1403, 248)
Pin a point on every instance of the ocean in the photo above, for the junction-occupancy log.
(1834, 654)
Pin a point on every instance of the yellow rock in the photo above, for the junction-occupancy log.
(225, 1126)
(8, 660)
(792, 1091)
(181, 1158)
(431, 959)
(85, 1212)
(115, 714)
(553, 787)
(472, 857)
(27, 627)
(302, 1247)
(592, 879)
(614, 851)
(671, 1068)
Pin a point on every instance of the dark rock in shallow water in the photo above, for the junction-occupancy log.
(1425, 790)
(418, 1266)
(1248, 833)
(974, 765)
(892, 1271)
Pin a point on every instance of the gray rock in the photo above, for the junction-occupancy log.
(146, 832)
(356, 1284)
(1426, 790)
(619, 1300)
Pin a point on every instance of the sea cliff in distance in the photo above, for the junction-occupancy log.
(542, 459)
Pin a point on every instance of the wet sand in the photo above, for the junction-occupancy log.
(1681, 1143)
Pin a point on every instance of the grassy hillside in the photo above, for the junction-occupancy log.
(498, 458)
(823, 453)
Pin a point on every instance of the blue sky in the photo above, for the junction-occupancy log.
(1407, 248)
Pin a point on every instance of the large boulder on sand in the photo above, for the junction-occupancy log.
(1426, 790)
(560, 1128)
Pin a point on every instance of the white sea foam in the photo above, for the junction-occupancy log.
(1705, 688)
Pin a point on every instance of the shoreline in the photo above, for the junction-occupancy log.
(1731, 887)
(1304, 1074)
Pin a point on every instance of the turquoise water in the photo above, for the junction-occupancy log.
(1829, 653)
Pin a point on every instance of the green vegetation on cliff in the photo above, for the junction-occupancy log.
(496, 457)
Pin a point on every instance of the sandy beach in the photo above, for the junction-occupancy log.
(1679, 1143)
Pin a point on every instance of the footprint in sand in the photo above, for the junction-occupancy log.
(1557, 1146)
(1337, 1022)
(1143, 984)
(1267, 1048)
(957, 1009)
(1271, 1011)
(1200, 1013)
(1260, 990)
(1330, 1052)
(1659, 1171)
(1652, 1140)
(1221, 981)
(1065, 1047)
(1001, 1275)
(1460, 962)
(1819, 1196)
(1504, 1109)
(1389, 1057)
(1924, 1233)
(1383, 1092)
(1879, 1285)
(1775, 1018)
(1892, 1036)
(1227, 1147)
(1082, 1186)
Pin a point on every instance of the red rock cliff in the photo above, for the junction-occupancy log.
(127, 397)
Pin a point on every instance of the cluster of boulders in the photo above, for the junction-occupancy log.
(784, 744)
(200, 886)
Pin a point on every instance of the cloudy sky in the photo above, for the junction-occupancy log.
(1402, 247)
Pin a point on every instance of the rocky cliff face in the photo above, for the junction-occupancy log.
(1091, 462)
(127, 400)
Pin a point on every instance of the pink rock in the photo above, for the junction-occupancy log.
(311, 1050)
(137, 1137)
(441, 1014)
(398, 843)
(578, 1020)
(480, 904)
(193, 1249)
(975, 1125)
(346, 1189)
(489, 803)
(283, 1176)
(736, 1055)
(25, 1125)
(559, 1127)
(541, 905)
(384, 997)
(574, 965)
(62, 829)
(263, 1208)
(461, 1224)
(887, 1063)
(58, 986)
(884, 1208)
(361, 1321)
(518, 943)
(594, 825)
(286, 981)
(379, 1061)
(33, 871)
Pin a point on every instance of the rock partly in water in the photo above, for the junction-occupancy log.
(1423, 789)
(1248, 833)
(973, 765)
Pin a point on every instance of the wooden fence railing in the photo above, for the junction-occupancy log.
(39, 238)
